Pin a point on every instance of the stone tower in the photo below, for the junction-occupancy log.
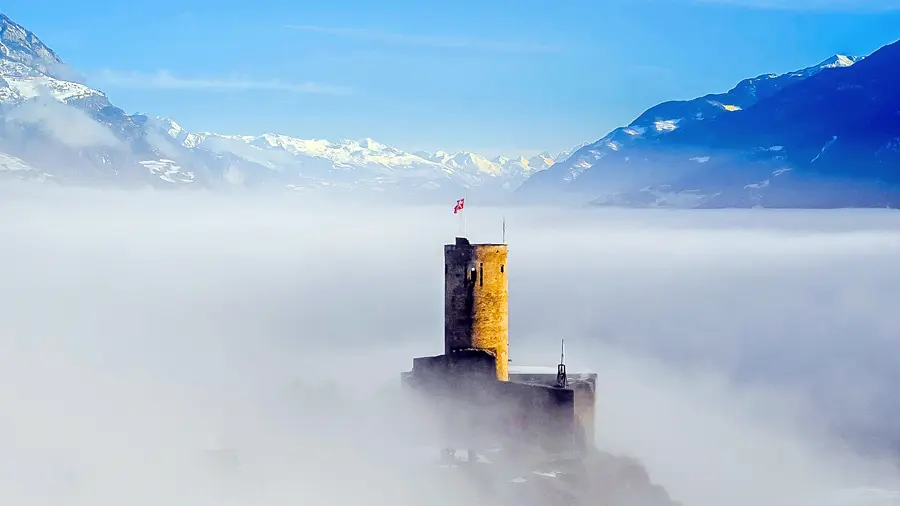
(476, 301)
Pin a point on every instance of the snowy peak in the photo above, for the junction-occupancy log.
(29, 70)
(172, 128)
(477, 163)
(839, 60)
(347, 152)
(175, 131)
(22, 46)
(365, 158)
(836, 61)
(464, 162)
(269, 150)
(368, 143)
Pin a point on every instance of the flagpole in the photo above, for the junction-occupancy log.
(458, 209)
(465, 198)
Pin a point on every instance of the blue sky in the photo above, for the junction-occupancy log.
(512, 77)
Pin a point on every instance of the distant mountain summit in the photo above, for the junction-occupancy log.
(57, 129)
(306, 164)
(668, 116)
(823, 136)
(20, 45)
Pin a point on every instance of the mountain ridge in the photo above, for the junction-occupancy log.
(761, 143)
(764, 143)
(68, 132)
(666, 117)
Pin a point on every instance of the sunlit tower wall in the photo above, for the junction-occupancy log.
(476, 301)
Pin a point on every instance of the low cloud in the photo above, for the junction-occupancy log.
(165, 80)
(745, 357)
(65, 72)
(446, 42)
(69, 125)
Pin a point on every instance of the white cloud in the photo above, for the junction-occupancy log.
(163, 79)
(71, 126)
(428, 40)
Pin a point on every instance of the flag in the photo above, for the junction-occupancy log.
(459, 205)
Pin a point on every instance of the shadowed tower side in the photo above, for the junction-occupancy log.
(476, 300)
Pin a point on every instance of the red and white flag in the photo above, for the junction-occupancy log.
(459, 205)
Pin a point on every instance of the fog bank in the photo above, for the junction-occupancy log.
(745, 357)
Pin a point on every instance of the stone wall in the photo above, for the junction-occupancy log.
(476, 300)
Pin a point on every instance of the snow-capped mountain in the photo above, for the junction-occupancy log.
(306, 164)
(743, 147)
(66, 131)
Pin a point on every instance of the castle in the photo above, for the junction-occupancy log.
(477, 400)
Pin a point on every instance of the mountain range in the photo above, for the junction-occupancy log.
(827, 136)
(819, 137)
(55, 128)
